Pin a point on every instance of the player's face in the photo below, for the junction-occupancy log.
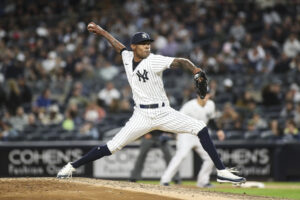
(142, 50)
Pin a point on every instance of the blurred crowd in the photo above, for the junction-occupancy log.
(61, 82)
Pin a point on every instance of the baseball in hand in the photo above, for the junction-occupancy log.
(91, 25)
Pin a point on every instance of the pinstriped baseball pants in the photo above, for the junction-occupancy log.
(145, 120)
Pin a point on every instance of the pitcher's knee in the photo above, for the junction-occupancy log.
(113, 147)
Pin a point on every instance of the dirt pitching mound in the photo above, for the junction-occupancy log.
(92, 189)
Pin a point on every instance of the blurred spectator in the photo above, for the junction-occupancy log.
(108, 71)
(109, 94)
(271, 46)
(219, 33)
(52, 116)
(229, 50)
(228, 94)
(291, 46)
(171, 48)
(251, 109)
(88, 129)
(213, 87)
(228, 117)
(77, 96)
(295, 63)
(6, 130)
(297, 115)
(238, 31)
(188, 93)
(271, 94)
(252, 131)
(290, 131)
(259, 122)
(296, 92)
(51, 62)
(32, 122)
(160, 42)
(197, 55)
(94, 113)
(126, 102)
(282, 64)
(274, 131)
(68, 124)
(83, 69)
(256, 55)
(75, 114)
(44, 100)
(2, 96)
(19, 120)
(288, 110)
(267, 65)
(25, 91)
(14, 99)
(271, 17)
(236, 66)
(243, 100)
(254, 22)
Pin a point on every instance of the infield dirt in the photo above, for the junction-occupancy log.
(92, 189)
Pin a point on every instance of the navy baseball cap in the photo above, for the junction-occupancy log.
(140, 37)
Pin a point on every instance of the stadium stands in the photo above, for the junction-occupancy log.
(243, 45)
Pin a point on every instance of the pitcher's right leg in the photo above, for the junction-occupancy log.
(137, 126)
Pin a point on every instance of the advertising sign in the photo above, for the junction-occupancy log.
(37, 161)
(122, 162)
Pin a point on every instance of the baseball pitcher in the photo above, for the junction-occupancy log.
(152, 110)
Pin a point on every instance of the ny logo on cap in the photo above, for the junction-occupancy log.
(144, 35)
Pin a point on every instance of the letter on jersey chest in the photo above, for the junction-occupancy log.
(142, 76)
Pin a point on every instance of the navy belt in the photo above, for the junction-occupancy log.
(151, 105)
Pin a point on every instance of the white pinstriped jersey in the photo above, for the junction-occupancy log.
(193, 109)
(146, 79)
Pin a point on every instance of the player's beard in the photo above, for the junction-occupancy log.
(146, 54)
(143, 54)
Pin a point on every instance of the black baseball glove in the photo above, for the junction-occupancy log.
(201, 83)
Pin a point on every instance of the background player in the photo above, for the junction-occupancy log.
(152, 110)
(201, 109)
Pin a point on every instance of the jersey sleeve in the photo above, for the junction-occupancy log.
(126, 56)
(161, 63)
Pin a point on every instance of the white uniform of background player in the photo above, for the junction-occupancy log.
(152, 110)
(186, 142)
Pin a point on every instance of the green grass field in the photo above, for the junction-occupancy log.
(286, 190)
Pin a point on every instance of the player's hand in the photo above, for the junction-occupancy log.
(148, 136)
(94, 28)
(221, 135)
